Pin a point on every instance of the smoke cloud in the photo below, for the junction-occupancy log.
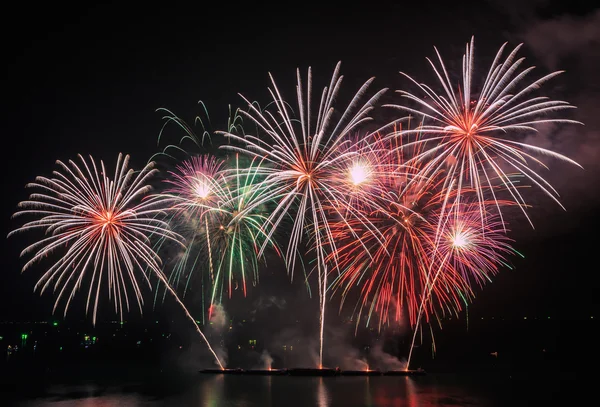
(266, 360)
(295, 348)
(218, 324)
(555, 39)
(384, 361)
(339, 352)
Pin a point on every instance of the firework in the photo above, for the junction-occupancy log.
(422, 254)
(391, 272)
(216, 207)
(193, 183)
(366, 173)
(464, 252)
(300, 154)
(471, 252)
(193, 187)
(468, 130)
(103, 225)
(239, 229)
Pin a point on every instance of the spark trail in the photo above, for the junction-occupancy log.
(104, 225)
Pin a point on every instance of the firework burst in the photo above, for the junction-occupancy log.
(239, 229)
(392, 271)
(471, 252)
(464, 252)
(471, 132)
(425, 264)
(193, 183)
(104, 227)
(300, 155)
(365, 174)
(193, 187)
(215, 207)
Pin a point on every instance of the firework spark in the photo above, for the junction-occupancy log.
(468, 131)
(464, 252)
(391, 272)
(359, 173)
(225, 226)
(300, 156)
(104, 225)
(194, 186)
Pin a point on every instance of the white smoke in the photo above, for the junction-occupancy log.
(218, 324)
(266, 360)
(383, 361)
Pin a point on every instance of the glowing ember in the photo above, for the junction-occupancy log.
(460, 240)
(201, 189)
(359, 173)
(107, 218)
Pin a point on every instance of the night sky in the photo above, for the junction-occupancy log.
(89, 80)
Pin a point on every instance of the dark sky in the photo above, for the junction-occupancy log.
(89, 79)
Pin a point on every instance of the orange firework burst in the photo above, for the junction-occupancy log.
(299, 153)
(104, 227)
(473, 133)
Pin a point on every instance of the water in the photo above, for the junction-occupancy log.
(201, 390)
(534, 366)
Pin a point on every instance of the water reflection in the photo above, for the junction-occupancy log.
(110, 401)
(212, 391)
(267, 391)
(322, 394)
(270, 389)
(412, 399)
(71, 400)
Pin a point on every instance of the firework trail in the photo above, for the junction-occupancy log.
(218, 205)
(193, 188)
(191, 180)
(300, 153)
(467, 130)
(189, 137)
(391, 272)
(465, 248)
(104, 225)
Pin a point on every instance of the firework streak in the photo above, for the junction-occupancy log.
(302, 153)
(411, 216)
(216, 207)
(105, 225)
(469, 133)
